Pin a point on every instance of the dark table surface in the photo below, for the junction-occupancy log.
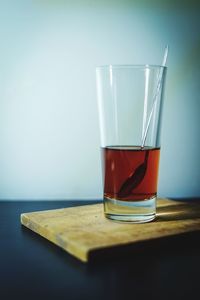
(33, 268)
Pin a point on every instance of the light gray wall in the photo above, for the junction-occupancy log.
(49, 134)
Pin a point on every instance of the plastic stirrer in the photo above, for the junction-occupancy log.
(160, 78)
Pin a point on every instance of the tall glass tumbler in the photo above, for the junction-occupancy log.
(130, 101)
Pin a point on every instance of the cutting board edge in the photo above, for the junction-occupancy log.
(71, 248)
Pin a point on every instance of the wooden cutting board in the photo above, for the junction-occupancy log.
(83, 230)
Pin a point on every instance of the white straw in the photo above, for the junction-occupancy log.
(160, 78)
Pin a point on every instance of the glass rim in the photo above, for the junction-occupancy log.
(131, 66)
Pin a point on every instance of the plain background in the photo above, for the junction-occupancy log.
(49, 132)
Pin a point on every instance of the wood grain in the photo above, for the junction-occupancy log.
(84, 229)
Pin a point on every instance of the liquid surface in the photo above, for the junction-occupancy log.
(130, 173)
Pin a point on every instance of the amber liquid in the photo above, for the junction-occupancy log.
(131, 173)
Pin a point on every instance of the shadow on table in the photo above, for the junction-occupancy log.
(182, 211)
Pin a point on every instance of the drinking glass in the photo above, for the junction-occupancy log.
(130, 102)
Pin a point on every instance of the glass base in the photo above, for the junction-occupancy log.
(140, 211)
